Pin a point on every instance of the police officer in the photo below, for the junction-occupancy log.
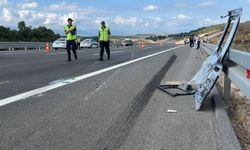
(104, 37)
(70, 31)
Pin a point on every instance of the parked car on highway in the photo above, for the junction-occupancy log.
(127, 43)
(89, 43)
(59, 44)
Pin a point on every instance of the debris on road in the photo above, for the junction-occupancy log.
(171, 111)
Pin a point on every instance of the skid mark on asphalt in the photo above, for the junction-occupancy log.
(102, 85)
(119, 130)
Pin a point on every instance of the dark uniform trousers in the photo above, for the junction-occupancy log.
(104, 44)
(71, 44)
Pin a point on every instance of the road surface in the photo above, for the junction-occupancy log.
(117, 108)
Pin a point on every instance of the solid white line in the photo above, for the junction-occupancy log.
(59, 53)
(34, 92)
(111, 52)
(147, 47)
(4, 82)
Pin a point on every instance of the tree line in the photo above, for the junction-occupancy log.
(27, 34)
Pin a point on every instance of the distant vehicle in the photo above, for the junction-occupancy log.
(89, 43)
(127, 43)
(59, 44)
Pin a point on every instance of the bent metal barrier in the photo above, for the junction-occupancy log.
(205, 79)
(11, 46)
(236, 72)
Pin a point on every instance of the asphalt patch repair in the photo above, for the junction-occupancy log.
(119, 130)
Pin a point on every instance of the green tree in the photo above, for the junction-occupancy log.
(27, 33)
(21, 25)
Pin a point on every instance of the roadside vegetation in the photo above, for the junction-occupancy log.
(201, 31)
(241, 40)
(27, 34)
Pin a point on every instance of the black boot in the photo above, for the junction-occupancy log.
(69, 58)
(100, 59)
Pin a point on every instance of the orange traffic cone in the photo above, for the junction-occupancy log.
(248, 74)
(142, 45)
(47, 48)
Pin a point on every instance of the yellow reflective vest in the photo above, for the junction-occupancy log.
(104, 33)
(72, 34)
(78, 39)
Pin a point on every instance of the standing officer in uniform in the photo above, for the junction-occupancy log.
(70, 31)
(104, 37)
(78, 42)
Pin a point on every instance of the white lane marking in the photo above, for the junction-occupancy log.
(37, 52)
(56, 53)
(21, 53)
(122, 48)
(4, 82)
(47, 88)
(102, 85)
(114, 52)
(147, 47)
(59, 53)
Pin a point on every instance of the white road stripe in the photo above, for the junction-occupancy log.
(34, 92)
(59, 53)
(147, 48)
(114, 52)
(4, 82)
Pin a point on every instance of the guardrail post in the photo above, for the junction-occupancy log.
(227, 87)
(25, 48)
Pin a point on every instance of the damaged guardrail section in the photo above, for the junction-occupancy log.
(235, 73)
(204, 80)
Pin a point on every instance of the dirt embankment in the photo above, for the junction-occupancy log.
(242, 38)
(238, 108)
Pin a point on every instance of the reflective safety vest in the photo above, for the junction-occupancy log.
(104, 33)
(78, 40)
(72, 34)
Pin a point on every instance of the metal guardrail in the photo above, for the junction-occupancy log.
(235, 73)
(11, 46)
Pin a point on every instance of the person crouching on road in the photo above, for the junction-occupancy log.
(70, 31)
(104, 37)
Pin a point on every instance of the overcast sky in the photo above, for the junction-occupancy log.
(123, 16)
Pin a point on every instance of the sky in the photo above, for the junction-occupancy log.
(125, 17)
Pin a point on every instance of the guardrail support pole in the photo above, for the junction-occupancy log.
(227, 87)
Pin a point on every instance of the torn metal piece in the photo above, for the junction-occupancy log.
(205, 79)
(171, 111)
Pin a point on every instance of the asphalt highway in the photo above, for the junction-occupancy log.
(22, 71)
(49, 103)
